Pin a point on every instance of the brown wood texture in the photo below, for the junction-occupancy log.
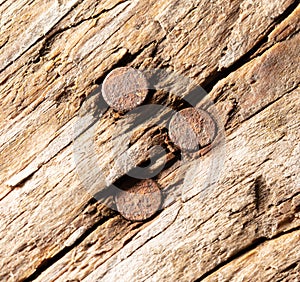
(244, 226)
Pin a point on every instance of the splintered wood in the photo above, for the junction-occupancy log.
(225, 211)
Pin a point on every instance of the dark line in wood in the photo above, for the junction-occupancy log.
(46, 46)
(256, 243)
(48, 262)
(268, 105)
(216, 76)
(290, 267)
(148, 240)
(125, 61)
(41, 38)
(258, 183)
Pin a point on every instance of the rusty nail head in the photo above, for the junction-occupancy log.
(124, 88)
(140, 201)
(192, 129)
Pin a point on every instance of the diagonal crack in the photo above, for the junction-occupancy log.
(50, 37)
(39, 38)
(48, 262)
(269, 104)
(218, 75)
(256, 243)
(144, 242)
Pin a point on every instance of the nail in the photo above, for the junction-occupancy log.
(140, 201)
(124, 88)
(192, 129)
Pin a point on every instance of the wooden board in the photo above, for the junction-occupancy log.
(237, 212)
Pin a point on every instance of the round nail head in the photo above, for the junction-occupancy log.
(139, 202)
(192, 129)
(124, 88)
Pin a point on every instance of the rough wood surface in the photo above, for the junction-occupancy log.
(244, 226)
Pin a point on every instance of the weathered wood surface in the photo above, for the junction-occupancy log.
(56, 53)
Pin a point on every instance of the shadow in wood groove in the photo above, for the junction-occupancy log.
(261, 193)
(41, 38)
(256, 243)
(48, 262)
(125, 61)
(215, 77)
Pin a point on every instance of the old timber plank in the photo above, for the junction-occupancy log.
(51, 229)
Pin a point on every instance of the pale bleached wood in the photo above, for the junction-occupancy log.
(46, 211)
(214, 225)
(264, 263)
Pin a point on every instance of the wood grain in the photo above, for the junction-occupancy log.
(54, 55)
